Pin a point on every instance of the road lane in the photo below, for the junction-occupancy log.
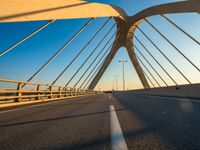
(82, 123)
(158, 122)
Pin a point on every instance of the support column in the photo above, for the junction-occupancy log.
(133, 58)
(137, 66)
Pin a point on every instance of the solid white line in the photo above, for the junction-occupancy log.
(117, 138)
(173, 98)
(170, 98)
(32, 106)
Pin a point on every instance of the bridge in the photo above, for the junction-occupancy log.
(66, 110)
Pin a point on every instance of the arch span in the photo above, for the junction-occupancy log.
(126, 31)
(33, 10)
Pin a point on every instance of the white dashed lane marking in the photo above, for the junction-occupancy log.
(117, 137)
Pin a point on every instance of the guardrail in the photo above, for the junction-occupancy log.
(39, 91)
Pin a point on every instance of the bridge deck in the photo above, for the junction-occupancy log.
(147, 122)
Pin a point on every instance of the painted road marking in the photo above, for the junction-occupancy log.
(165, 97)
(117, 138)
(173, 98)
(32, 106)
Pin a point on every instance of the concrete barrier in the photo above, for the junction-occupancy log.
(187, 91)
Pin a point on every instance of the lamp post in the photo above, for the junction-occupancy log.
(123, 61)
(116, 79)
(113, 85)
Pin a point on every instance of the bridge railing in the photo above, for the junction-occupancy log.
(38, 91)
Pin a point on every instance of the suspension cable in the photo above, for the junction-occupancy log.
(88, 56)
(154, 57)
(95, 67)
(95, 72)
(59, 51)
(171, 62)
(178, 27)
(96, 57)
(147, 70)
(147, 60)
(27, 37)
(148, 79)
(80, 52)
(172, 45)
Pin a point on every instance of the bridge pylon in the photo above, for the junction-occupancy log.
(34, 10)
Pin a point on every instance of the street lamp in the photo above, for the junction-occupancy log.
(116, 79)
(113, 85)
(123, 61)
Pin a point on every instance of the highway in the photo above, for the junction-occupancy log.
(91, 122)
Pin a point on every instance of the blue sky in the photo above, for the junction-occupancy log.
(20, 63)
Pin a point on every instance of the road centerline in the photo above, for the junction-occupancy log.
(117, 137)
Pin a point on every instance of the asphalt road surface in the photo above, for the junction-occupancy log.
(107, 121)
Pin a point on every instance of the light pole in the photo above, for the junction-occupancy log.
(113, 85)
(116, 79)
(123, 61)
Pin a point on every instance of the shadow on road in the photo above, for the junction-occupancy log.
(58, 118)
(165, 118)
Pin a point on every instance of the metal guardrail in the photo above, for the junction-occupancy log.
(37, 93)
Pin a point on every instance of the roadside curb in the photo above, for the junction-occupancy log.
(23, 103)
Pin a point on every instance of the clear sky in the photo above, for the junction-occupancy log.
(23, 61)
